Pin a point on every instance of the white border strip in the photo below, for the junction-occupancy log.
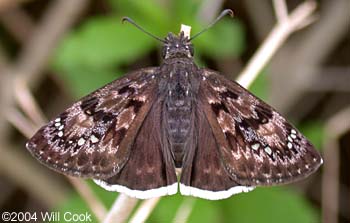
(212, 195)
(140, 194)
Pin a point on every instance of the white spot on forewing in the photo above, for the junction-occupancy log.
(81, 142)
(140, 194)
(57, 119)
(290, 139)
(255, 146)
(60, 134)
(61, 127)
(212, 195)
(204, 78)
(268, 150)
(94, 139)
(293, 131)
(289, 145)
(293, 136)
(57, 124)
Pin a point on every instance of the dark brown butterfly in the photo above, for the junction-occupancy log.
(132, 134)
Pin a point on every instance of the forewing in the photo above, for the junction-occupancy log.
(257, 145)
(92, 138)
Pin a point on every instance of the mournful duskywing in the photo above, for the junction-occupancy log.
(132, 134)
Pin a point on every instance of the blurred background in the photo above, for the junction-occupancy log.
(53, 52)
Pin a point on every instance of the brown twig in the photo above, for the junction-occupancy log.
(335, 128)
(184, 210)
(19, 169)
(59, 16)
(283, 29)
(121, 209)
(300, 61)
(31, 109)
(20, 122)
(28, 104)
(144, 211)
(18, 23)
(7, 4)
(208, 10)
(91, 200)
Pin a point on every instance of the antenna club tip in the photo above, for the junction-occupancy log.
(125, 19)
(228, 12)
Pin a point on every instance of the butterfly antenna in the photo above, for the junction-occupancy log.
(222, 14)
(127, 19)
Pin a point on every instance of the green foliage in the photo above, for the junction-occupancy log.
(269, 205)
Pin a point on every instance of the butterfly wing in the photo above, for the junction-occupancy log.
(93, 137)
(150, 170)
(256, 144)
(203, 174)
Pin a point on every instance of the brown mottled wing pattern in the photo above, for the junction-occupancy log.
(93, 137)
(257, 145)
(150, 170)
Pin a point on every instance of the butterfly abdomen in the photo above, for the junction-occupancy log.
(178, 104)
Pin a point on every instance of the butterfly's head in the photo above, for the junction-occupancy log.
(177, 46)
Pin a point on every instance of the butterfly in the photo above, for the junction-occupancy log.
(131, 135)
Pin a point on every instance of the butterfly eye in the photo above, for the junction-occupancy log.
(165, 51)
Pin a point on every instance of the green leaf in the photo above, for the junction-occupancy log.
(150, 15)
(184, 12)
(100, 43)
(205, 211)
(268, 205)
(74, 205)
(224, 39)
(166, 209)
